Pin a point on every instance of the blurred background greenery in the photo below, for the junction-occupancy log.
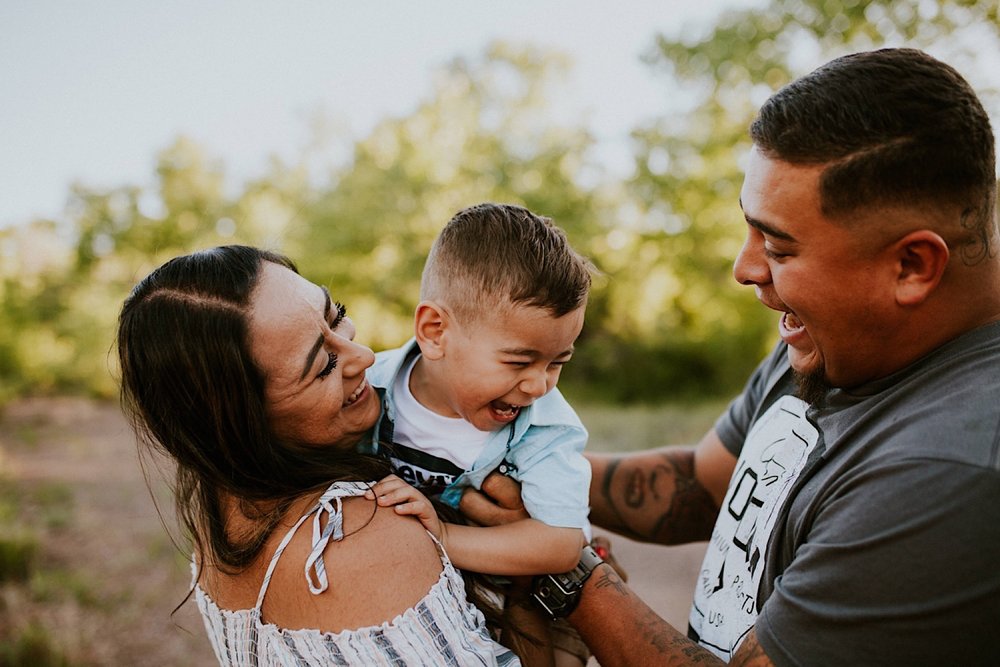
(666, 321)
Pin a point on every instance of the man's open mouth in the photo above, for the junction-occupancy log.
(792, 322)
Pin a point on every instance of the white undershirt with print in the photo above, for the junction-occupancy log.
(415, 426)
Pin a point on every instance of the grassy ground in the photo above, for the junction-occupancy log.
(88, 574)
(628, 429)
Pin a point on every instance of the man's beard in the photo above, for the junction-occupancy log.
(813, 386)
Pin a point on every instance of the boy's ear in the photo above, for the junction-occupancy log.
(921, 258)
(430, 324)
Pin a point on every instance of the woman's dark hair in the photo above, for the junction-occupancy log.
(191, 389)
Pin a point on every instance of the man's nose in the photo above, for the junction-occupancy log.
(750, 267)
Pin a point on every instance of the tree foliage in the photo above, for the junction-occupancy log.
(666, 319)
(687, 178)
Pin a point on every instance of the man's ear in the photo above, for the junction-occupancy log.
(430, 324)
(921, 259)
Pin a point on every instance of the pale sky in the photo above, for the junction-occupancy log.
(90, 92)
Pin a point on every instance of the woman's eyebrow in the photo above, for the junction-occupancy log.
(314, 350)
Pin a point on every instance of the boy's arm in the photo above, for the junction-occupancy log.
(523, 547)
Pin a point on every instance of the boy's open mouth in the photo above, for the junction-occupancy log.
(504, 412)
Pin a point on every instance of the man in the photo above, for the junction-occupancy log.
(851, 493)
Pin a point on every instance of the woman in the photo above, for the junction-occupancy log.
(248, 377)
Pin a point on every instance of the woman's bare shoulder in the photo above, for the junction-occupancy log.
(385, 560)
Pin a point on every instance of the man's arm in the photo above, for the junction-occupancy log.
(669, 495)
(614, 622)
(621, 629)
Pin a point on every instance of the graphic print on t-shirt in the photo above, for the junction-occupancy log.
(775, 451)
(431, 474)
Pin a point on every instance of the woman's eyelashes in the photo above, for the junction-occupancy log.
(340, 312)
(330, 365)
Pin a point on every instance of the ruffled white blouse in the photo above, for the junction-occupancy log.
(443, 628)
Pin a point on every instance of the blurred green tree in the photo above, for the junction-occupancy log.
(686, 311)
(666, 319)
(482, 135)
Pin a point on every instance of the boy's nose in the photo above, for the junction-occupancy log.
(534, 385)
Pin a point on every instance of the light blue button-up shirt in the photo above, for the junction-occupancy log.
(545, 448)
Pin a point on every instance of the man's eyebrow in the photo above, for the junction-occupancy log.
(319, 341)
(765, 228)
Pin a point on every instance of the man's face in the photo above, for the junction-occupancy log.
(832, 282)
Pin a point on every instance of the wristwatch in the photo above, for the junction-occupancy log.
(558, 594)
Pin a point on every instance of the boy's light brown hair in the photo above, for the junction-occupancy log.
(490, 256)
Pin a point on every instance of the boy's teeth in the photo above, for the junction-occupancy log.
(505, 409)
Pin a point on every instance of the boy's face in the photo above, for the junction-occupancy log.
(501, 362)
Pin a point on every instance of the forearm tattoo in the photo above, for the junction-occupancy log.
(675, 648)
(667, 646)
(651, 629)
(609, 579)
(659, 501)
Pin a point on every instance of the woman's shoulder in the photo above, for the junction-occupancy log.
(386, 560)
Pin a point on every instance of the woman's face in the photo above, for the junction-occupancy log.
(314, 372)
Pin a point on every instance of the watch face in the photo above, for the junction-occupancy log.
(559, 594)
(550, 595)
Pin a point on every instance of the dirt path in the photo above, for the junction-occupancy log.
(107, 575)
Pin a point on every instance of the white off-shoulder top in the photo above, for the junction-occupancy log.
(443, 628)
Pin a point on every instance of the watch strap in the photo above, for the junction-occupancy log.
(559, 594)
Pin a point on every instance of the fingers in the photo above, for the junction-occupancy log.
(482, 510)
(602, 546)
(392, 490)
(498, 503)
(504, 491)
(418, 509)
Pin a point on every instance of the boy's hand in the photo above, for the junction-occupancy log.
(392, 490)
(497, 504)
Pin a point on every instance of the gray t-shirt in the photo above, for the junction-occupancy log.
(867, 531)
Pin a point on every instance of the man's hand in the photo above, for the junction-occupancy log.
(497, 504)
(602, 546)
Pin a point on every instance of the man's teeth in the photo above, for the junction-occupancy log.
(792, 322)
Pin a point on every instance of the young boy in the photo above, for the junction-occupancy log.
(502, 301)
